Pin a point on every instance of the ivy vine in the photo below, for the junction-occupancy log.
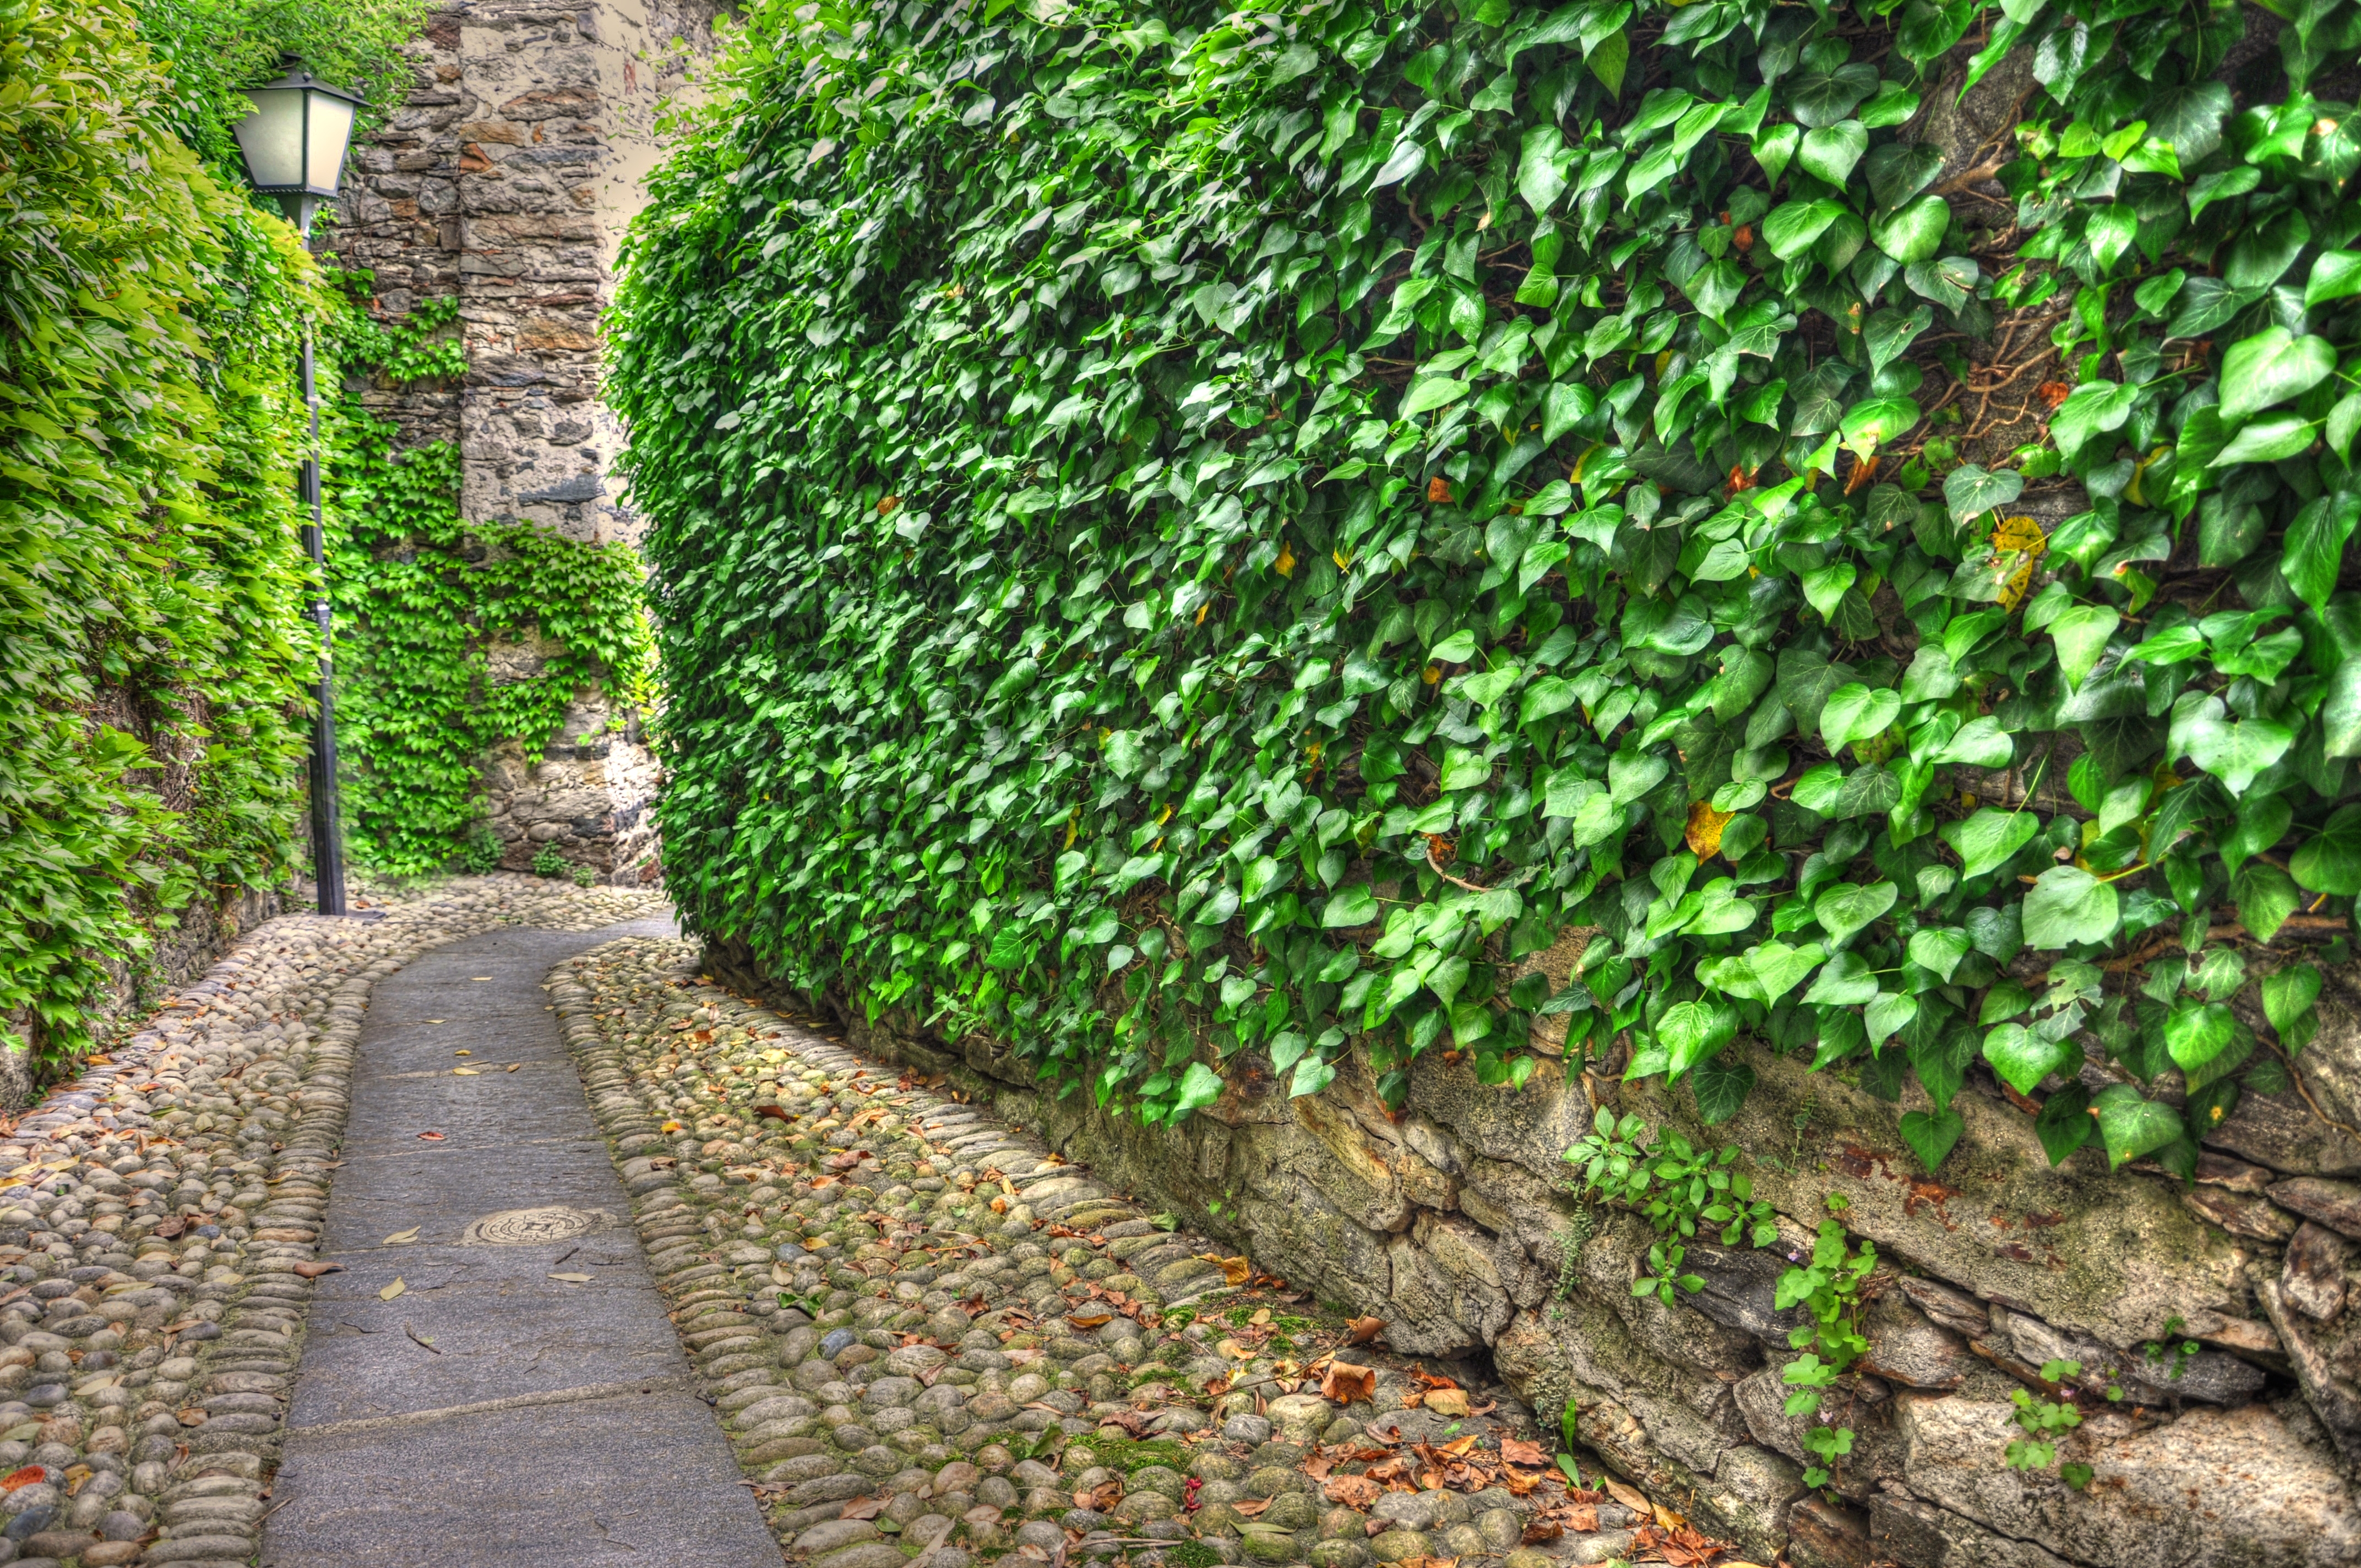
(421, 597)
(1191, 540)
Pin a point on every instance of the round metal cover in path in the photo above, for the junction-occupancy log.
(533, 1227)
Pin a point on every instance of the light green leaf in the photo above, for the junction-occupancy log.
(2068, 906)
(1352, 906)
(2024, 1059)
(1886, 1012)
(2090, 409)
(2331, 862)
(2197, 1033)
(2270, 367)
(2272, 440)
(1831, 151)
(1940, 949)
(1692, 1030)
(1199, 1087)
(1847, 907)
(1855, 712)
(2288, 995)
(1916, 233)
(2081, 636)
(1989, 838)
(1824, 588)
(1430, 393)
(2131, 1125)
(1847, 981)
(1792, 227)
(1539, 179)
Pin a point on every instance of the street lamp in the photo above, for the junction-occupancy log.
(293, 144)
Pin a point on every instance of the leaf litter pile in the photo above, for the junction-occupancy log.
(933, 1341)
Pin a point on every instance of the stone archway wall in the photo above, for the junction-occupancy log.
(1454, 1221)
(507, 179)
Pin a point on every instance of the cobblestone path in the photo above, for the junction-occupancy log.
(464, 1190)
(932, 1341)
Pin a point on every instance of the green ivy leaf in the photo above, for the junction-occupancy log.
(1989, 838)
(1830, 152)
(1353, 906)
(2288, 995)
(1848, 907)
(2266, 896)
(1792, 227)
(2082, 635)
(2270, 367)
(2068, 905)
(2131, 1125)
(1689, 1032)
(2197, 1033)
(2024, 1059)
(1199, 1087)
(2331, 862)
(1931, 1134)
(1855, 713)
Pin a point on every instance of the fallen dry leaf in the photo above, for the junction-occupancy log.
(1247, 1508)
(1538, 1530)
(1582, 1521)
(1089, 1320)
(401, 1238)
(16, 1479)
(864, 1508)
(431, 1138)
(418, 1339)
(191, 1417)
(467, 1072)
(1450, 1402)
(982, 1513)
(1631, 1498)
(391, 1291)
(1516, 1450)
(1361, 1331)
(313, 1270)
(1352, 1491)
(572, 1278)
(776, 1112)
(1345, 1382)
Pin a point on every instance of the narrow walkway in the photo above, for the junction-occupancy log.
(492, 1379)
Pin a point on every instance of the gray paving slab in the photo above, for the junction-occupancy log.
(550, 1420)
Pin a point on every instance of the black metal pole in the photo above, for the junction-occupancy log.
(327, 827)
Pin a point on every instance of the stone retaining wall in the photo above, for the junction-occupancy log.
(1453, 1221)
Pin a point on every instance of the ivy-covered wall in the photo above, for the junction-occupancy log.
(1689, 557)
(152, 721)
(481, 218)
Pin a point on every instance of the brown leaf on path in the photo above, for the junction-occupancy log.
(982, 1513)
(191, 1417)
(432, 1138)
(1362, 1331)
(1352, 1491)
(1344, 1383)
(1452, 1402)
(1318, 1466)
(1089, 1320)
(1516, 1450)
(171, 1228)
(1538, 1530)
(1631, 1498)
(864, 1508)
(313, 1270)
(775, 1112)
(1582, 1521)
(16, 1479)
(1247, 1508)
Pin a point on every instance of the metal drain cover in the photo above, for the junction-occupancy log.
(533, 1227)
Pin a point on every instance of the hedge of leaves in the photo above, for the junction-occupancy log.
(149, 575)
(1191, 539)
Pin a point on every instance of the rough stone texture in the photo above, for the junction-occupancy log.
(505, 181)
(1434, 1219)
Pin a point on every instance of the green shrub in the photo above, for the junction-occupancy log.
(481, 853)
(1183, 534)
(548, 861)
(150, 574)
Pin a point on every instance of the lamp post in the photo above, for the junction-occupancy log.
(293, 144)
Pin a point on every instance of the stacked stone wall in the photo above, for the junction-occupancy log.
(505, 181)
